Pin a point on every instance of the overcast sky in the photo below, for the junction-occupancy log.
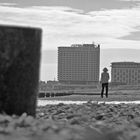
(112, 23)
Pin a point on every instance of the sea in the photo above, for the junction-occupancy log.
(55, 102)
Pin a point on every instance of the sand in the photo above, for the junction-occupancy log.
(74, 122)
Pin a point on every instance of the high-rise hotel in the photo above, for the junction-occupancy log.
(79, 64)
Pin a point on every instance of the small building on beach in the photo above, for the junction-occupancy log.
(127, 73)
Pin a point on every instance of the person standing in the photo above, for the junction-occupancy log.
(104, 82)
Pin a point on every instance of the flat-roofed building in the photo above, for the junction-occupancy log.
(79, 64)
(126, 73)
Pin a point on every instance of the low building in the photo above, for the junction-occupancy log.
(127, 73)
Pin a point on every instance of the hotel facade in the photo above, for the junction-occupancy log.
(127, 73)
(79, 64)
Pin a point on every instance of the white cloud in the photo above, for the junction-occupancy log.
(8, 4)
(65, 26)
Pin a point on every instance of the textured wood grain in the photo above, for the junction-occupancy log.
(19, 69)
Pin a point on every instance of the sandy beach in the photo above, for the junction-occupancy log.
(75, 122)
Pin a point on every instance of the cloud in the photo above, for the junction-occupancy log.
(133, 3)
(131, 0)
(8, 4)
(65, 25)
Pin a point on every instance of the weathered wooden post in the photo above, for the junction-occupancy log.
(20, 49)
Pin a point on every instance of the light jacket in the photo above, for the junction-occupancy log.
(104, 77)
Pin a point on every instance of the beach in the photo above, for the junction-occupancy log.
(74, 122)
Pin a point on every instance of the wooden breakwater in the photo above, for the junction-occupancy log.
(45, 94)
(19, 69)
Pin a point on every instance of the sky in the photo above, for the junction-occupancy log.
(114, 24)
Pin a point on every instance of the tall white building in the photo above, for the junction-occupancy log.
(79, 64)
(126, 73)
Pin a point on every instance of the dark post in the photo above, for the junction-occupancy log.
(19, 69)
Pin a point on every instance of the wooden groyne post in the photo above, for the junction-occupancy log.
(20, 50)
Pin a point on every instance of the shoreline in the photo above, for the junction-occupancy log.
(112, 97)
(56, 102)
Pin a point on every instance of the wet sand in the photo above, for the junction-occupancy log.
(112, 97)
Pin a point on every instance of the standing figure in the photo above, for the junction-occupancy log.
(104, 82)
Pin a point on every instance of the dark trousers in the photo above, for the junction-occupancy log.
(104, 86)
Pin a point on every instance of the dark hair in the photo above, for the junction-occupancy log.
(105, 69)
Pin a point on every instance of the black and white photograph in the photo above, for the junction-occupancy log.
(70, 70)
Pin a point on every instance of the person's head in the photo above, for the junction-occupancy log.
(105, 69)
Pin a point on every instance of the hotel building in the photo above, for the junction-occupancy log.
(79, 64)
(126, 73)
